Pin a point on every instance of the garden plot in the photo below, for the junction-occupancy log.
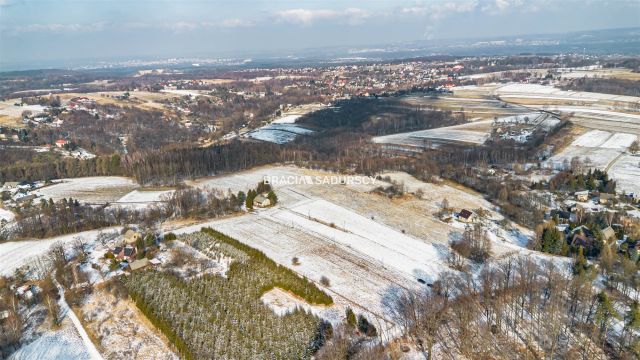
(98, 189)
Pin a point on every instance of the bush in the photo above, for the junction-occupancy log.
(170, 236)
(325, 281)
(351, 318)
(365, 327)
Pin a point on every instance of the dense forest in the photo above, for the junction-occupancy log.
(380, 116)
(604, 85)
(225, 317)
(49, 218)
(551, 312)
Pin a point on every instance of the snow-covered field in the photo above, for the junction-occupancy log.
(63, 344)
(15, 254)
(411, 257)
(605, 151)
(287, 119)
(517, 90)
(278, 133)
(192, 93)
(283, 302)
(140, 199)
(98, 189)
(626, 172)
(455, 134)
(367, 245)
(121, 329)
(6, 215)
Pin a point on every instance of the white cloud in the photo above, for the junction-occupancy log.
(307, 16)
(496, 7)
(236, 23)
(304, 16)
(440, 10)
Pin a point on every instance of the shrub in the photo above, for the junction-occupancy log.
(365, 327)
(351, 318)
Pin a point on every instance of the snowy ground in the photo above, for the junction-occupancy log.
(15, 254)
(63, 344)
(279, 133)
(122, 330)
(191, 93)
(283, 302)
(452, 134)
(98, 189)
(6, 215)
(606, 151)
(141, 199)
(517, 90)
(287, 119)
(367, 245)
(626, 172)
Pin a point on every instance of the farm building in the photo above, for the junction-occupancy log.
(139, 264)
(261, 201)
(131, 237)
(466, 216)
(582, 195)
(61, 143)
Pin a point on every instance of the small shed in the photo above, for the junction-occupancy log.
(139, 264)
(261, 201)
(582, 195)
(466, 216)
(608, 233)
(606, 198)
(131, 237)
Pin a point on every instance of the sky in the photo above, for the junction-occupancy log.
(67, 30)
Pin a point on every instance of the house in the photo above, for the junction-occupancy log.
(466, 216)
(582, 195)
(4, 314)
(139, 264)
(608, 233)
(131, 237)
(582, 240)
(261, 201)
(61, 143)
(565, 216)
(25, 185)
(607, 198)
(124, 253)
(581, 230)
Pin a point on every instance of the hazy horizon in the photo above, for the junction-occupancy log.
(67, 31)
